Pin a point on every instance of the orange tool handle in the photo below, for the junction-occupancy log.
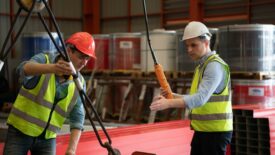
(163, 81)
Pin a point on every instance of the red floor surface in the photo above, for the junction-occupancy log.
(166, 138)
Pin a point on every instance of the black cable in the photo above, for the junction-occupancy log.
(147, 33)
(67, 58)
(19, 31)
(84, 96)
(50, 34)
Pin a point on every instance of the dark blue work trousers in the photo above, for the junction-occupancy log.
(210, 143)
(18, 143)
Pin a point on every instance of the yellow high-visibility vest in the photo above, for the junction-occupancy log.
(215, 115)
(32, 107)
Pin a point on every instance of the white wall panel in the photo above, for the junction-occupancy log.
(4, 6)
(138, 24)
(68, 27)
(152, 6)
(114, 8)
(67, 8)
(113, 26)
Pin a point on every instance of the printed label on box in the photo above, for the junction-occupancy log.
(255, 91)
(125, 44)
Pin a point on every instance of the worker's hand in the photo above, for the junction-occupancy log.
(62, 68)
(159, 103)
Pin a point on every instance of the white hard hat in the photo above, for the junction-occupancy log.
(195, 29)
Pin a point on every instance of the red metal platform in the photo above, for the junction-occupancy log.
(173, 137)
(254, 129)
(254, 133)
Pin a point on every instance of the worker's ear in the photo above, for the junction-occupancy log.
(69, 50)
(206, 42)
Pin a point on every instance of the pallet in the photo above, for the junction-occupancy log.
(175, 75)
(168, 74)
(124, 73)
(236, 75)
(185, 75)
(253, 75)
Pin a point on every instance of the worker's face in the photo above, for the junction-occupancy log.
(196, 48)
(78, 59)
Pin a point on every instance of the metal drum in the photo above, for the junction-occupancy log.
(102, 46)
(184, 62)
(247, 47)
(125, 51)
(164, 46)
(38, 42)
(253, 92)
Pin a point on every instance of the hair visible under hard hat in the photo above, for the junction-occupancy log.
(195, 29)
(205, 37)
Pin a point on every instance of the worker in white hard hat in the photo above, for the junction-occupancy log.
(47, 98)
(209, 100)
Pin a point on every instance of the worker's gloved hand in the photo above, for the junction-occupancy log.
(159, 103)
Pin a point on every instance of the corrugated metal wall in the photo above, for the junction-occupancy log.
(68, 15)
(70, 9)
(263, 13)
(127, 16)
(117, 16)
(231, 12)
(153, 7)
(175, 10)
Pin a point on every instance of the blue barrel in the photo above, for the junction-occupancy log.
(38, 42)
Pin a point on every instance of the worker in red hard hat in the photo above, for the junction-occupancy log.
(47, 98)
(209, 101)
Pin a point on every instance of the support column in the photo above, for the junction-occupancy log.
(196, 10)
(91, 16)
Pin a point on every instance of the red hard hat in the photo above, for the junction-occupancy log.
(84, 42)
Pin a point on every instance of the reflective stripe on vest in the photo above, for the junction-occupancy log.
(33, 121)
(44, 103)
(216, 114)
(219, 98)
(211, 117)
